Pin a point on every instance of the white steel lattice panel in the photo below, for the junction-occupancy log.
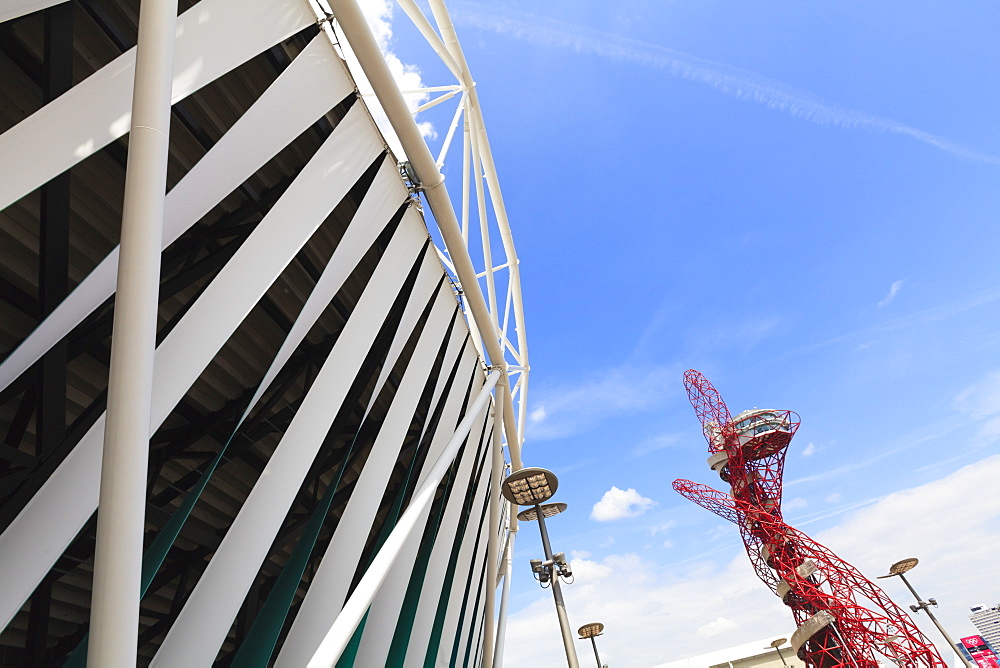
(195, 638)
(268, 126)
(213, 37)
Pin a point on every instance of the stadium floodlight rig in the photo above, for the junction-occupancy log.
(843, 619)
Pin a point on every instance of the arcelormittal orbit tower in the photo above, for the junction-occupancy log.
(843, 619)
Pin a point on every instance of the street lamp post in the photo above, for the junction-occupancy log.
(897, 570)
(592, 631)
(531, 487)
(776, 644)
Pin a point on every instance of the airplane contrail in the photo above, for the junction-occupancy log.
(726, 79)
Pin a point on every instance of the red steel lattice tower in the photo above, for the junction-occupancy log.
(843, 619)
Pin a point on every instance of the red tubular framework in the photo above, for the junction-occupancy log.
(843, 618)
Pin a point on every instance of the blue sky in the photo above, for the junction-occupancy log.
(799, 201)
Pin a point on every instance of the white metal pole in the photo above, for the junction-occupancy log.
(493, 546)
(923, 605)
(505, 595)
(564, 628)
(450, 39)
(446, 145)
(593, 641)
(114, 616)
(352, 22)
(339, 635)
(427, 30)
(484, 233)
(466, 171)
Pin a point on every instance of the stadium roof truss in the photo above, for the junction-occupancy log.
(344, 23)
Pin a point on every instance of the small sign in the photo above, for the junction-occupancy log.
(981, 652)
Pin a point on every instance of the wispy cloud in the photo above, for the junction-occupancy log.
(653, 444)
(926, 432)
(662, 527)
(794, 504)
(805, 520)
(981, 401)
(893, 291)
(581, 403)
(726, 79)
(926, 316)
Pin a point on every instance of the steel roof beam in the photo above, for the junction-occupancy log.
(352, 21)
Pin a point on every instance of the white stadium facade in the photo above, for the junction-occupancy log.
(336, 365)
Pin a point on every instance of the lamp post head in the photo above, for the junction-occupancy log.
(778, 643)
(591, 630)
(548, 510)
(901, 567)
(529, 486)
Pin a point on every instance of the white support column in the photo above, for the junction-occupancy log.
(459, 112)
(425, 28)
(493, 548)
(508, 560)
(114, 617)
(466, 167)
(484, 235)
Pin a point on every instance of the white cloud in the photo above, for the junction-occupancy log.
(809, 450)
(588, 570)
(651, 615)
(656, 612)
(893, 291)
(726, 79)
(950, 524)
(833, 498)
(379, 15)
(618, 504)
(717, 627)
